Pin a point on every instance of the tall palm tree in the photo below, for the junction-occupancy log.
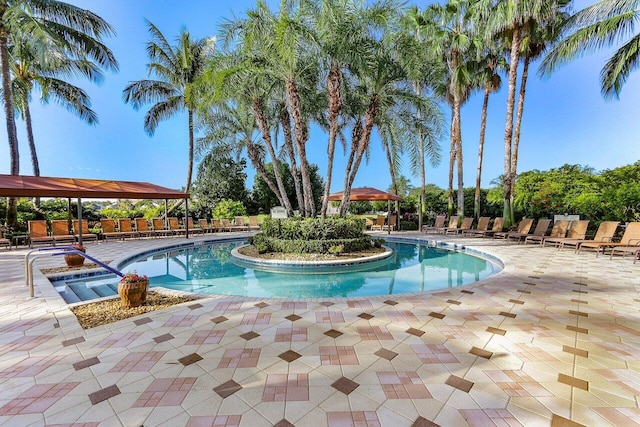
(596, 27)
(77, 32)
(177, 69)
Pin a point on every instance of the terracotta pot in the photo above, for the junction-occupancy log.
(133, 294)
(74, 260)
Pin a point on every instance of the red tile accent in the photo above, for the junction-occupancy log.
(374, 333)
(120, 339)
(180, 321)
(240, 358)
(356, 418)
(165, 392)
(486, 417)
(205, 337)
(30, 367)
(403, 385)
(218, 420)
(291, 334)
(37, 399)
(256, 319)
(138, 362)
(338, 355)
(434, 353)
(286, 387)
(329, 317)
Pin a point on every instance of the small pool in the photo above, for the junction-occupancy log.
(209, 269)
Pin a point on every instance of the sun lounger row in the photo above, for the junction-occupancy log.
(60, 232)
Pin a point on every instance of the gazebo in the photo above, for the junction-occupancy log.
(38, 186)
(365, 194)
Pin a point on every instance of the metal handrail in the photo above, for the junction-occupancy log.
(28, 263)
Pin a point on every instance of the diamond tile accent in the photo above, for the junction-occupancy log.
(505, 314)
(414, 331)
(293, 317)
(423, 422)
(195, 306)
(261, 305)
(326, 303)
(496, 331)
(283, 423)
(163, 338)
(573, 382)
(219, 319)
(333, 333)
(250, 335)
(104, 394)
(464, 291)
(227, 389)
(143, 321)
(577, 329)
(436, 315)
(454, 302)
(558, 421)
(459, 383)
(390, 302)
(345, 385)
(481, 352)
(386, 354)
(516, 301)
(190, 359)
(576, 351)
(72, 341)
(289, 356)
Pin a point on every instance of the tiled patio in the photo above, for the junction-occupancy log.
(554, 339)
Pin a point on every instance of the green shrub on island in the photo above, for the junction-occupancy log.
(311, 235)
(408, 225)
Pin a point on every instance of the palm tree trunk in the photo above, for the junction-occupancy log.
(285, 120)
(516, 137)
(483, 127)
(302, 135)
(190, 167)
(334, 84)
(12, 135)
(458, 140)
(452, 161)
(258, 164)
(32, 146)
(261, 120)
(508, 128)
(356, 135)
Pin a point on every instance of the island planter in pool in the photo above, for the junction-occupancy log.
(132, 289)
(75, 260)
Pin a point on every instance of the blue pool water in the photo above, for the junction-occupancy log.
(209, 269)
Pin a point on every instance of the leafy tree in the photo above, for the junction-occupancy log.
(219, 177)
(228, 209)
(177, 69)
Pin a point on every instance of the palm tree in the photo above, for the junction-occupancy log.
(596, 27)
(177, 69)
(77, 32)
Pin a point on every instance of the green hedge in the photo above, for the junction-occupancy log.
(408, 225)
(297, 228)
(264, 243)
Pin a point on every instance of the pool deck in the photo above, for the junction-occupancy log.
(553, 339)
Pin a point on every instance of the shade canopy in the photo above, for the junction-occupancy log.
(39, 186)
(365, 194)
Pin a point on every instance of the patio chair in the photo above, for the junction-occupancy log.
(174, 226)
(577, 231)
(392, 223)
(142, 227)
(440, 219)
(38, 233)
(253, 223)
(226, 225)
(483, 225)
(559, 230)
(624, 250)
(379, 223)
(126, 229)
(204, 225)
(453, 223)
(523, 228)
(60, 232)
(540, 231)
(86, 234)
(498, 225)
(240, 224)
(192, 228)
(606, 231)
(3, 241)
(631, 237)
(216, 225)
(159, 227)
(466, 225)
(108, 226)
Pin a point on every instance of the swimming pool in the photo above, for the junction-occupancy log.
(209, 269)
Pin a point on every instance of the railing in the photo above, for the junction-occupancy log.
(65, 250)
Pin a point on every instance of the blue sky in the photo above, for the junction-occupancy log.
(565, 120)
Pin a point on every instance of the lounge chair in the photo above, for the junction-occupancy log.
(523, 228)
(630, 237)
(541, 230)
(174, 226)
(38, 233)
(440, 219)
(253, 223)
(498, 225)
(453, 223)
(483, 225)
(60, 232)
(391, 225)
(126, 229)
(142, 227)
(559, 230)
(86, 234)
(379, 223)
(227, 226)
(240, 224)
(3, 241)
(204, 225)
(159, 227)
(216, 225)
(192, 228)
(577, 231)
(624, 250)
(108, 226)
(606, 231)
(466, 225)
